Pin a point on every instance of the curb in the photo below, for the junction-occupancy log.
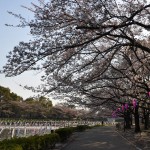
(128, 141)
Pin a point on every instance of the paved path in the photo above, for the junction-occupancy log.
(101, 138)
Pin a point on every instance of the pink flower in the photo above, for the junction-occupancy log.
(134, 102)
(114, 114)
(126, 106)
(123, 107)
(118, 109)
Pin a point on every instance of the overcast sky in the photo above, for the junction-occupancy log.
(10, 37)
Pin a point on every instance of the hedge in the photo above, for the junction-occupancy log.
(43, 142)
(64, 133)
(81, 128)
(36, 142)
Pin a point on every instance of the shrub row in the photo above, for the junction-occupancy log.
(81, 128)
(64, 133)
(36, 142)
(44, 142)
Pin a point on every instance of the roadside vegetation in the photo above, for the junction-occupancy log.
(41, 142)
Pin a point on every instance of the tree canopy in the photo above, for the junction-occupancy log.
(13, 106)
(7, 95)
(96, 52)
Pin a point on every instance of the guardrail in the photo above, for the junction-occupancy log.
(10, 129)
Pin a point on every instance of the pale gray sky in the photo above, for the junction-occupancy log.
(10, 37)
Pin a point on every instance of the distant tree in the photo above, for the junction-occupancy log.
(7, 95)
(30, 100)
(15, 97)
(44, 101)
(63, 112)
(4, 94)
(65, 104)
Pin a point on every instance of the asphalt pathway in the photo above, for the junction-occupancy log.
(100, 138)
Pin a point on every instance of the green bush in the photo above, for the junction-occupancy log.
(36, 142)
(81, 128)
(10, 146)
(64, 133)
(73, 129)
(49, 141)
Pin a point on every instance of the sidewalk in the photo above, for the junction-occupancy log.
(140, 140)
(100, 138)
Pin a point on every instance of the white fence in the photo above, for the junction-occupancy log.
(24, 129)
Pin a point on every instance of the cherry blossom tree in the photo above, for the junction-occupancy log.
(81, 47)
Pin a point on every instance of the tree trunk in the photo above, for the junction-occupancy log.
(137, 122)
(146, 120)
(127, 120)
(131, 122)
